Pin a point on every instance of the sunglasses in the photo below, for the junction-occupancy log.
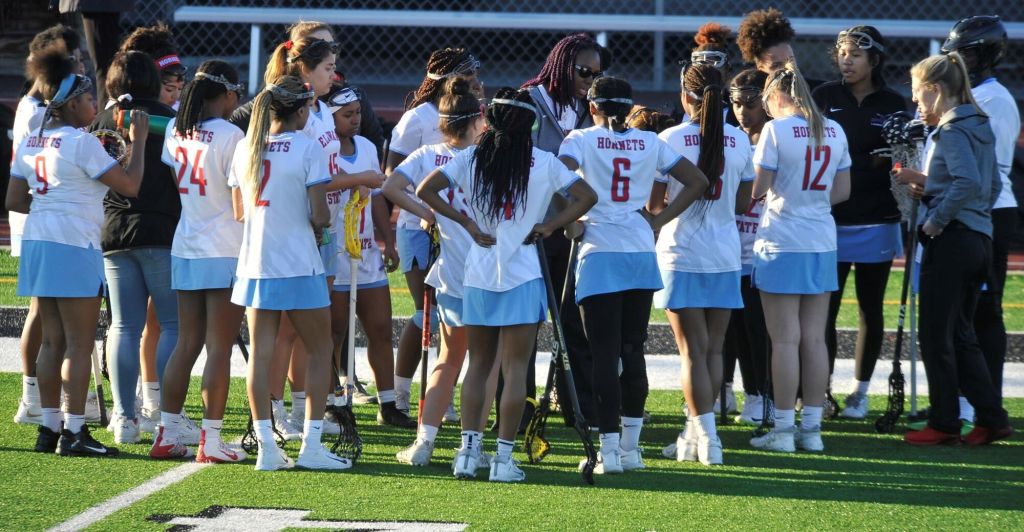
(859, 39)
(587, 73)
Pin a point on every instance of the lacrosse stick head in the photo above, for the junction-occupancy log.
(114, 144)
(348, 443)
(535, 444)
(353, 212)
(591, 452)
(249, 443)
(886, 423)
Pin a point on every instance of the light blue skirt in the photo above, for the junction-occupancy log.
(880, 243)
(202, 274)
(795, 273)
(288, 293)
(699, 290)
(49, 269)
(329, 255)
(365, 286)
(609, 272)
(413, 248)
(526, 303)
(450, 309)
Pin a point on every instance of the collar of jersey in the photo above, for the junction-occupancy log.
(355, 152)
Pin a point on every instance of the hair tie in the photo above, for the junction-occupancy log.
(288, 45)
(124, 98)
(514, 103)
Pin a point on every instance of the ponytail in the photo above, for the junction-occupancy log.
(458, 108)
(614, 98)
(289, 57)
(790, 82)
(703, 82)
(277, 100)
(501, 169)
(213, 79)
(950, 72)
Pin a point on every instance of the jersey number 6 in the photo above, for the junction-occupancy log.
(620, 183)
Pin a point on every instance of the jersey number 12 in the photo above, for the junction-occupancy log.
(816, 184)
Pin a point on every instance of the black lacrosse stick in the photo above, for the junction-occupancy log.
(768, 398)
(250, 444)
(348, 444)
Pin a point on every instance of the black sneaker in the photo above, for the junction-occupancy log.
(47, 440)
(391, 415)
(82, 444)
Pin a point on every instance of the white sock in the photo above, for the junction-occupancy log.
(426, 433)
(691, 428)
(785, 419)
(631, 427)
(403, 384)
(862, 387)
(170, 422)
(385, 396)
(810, 417)
(706, 424)
(264, 433)
(299, 401)
(211, 429)
(966, 410)
(311, 430)
(471, 440)
(30, 391)
(151, 395)
(505, 448)
(329, 402)
(52, 419)
(74, 422)
(609, 442)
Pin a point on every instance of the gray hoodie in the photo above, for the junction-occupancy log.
(547, 134)
(963, 175)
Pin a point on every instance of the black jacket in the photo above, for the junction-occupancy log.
(871, 200)
(150, 219)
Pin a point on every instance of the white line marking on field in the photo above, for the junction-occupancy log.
(130, 497)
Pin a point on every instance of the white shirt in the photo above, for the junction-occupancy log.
(320, 127)
(278, 240)
(207, 227)
(1000, 106)
(621, 167)
(509, 263)
(62, 170)
(27, 119)
(371, 267)
(798, 213)
(567, 119)
(704, 238)
(448, 272)
(419, 126)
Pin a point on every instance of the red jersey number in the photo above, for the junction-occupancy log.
(41, 175)
(620, 183)
(260, 202)
(197, 177)
(818, 151)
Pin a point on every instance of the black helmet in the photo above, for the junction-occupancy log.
(985, 34)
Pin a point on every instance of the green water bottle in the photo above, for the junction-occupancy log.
(157, 124)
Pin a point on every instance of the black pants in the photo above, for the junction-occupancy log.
(616, 328)
(871, 279)
(102, 37)
(988, 319)
(747, 340)
(953, 268)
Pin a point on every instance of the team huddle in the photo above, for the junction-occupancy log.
(741, 218)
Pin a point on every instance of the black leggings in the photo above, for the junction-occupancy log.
(988, 318)
(616, 328)
(871, 280)
(747, 340)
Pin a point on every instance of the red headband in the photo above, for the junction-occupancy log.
(167, 61)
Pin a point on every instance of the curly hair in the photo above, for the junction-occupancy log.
(649, 119)
(712, 36)
(156, 40)
(762, 29)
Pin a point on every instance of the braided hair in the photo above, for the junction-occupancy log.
(199, 91)
(558, 75)
(762, 29)
(442, 65)
(501, 169)
(703, 83)
(278, 101)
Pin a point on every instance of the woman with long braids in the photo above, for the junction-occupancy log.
(617, 272)
(699, 254)
(419, 126)
(509, 184)
(199, 145)
(803, 168)
(282, 175)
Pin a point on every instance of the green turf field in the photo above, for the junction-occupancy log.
(401, 302)
(863, 481)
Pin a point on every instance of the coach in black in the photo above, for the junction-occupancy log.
(867, 224)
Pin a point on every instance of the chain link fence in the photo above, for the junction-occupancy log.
(396, 56)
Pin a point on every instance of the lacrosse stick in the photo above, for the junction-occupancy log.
(349, 444)
(249, 442)
(97, 374)
(768, 397)
(114, 144)
(428, 297)
(561, 355)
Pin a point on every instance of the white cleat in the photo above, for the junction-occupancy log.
(856, 406)
(809, 440)
(402, 401)
(753, 409)
(709, 450)
(609, 463)
(506, 470)
(125, 430)
(218, 453)
(297, 415)
(417, 454)
(632, 460)
(288, 431)
(28, 414)
(330, 427)
(779, 440)
(319, 458)
(466, 463)
(730, 402)
(92, 408)
(188, 432)
(484, 460)
(149, 420)
(669, 451)
(450, 415)
(272, 458)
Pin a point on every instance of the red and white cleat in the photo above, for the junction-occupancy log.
(168, 447)
(219, 453)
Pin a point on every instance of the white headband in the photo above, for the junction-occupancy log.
(514, 103)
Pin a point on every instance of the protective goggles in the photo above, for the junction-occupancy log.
(231, 87)
(744, 95)
(710, 57)
(859, 39)
(469, 66)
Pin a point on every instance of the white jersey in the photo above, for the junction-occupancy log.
(622, 168)
(1001, 108)
(278, 240)
(320, 127)
(27, 119)
(201, 163)
(371, 268)
(747, 224)
(509, 263)
(447, 273)
(62, 169)
(798, 213)
(419, 126)
(704, 238)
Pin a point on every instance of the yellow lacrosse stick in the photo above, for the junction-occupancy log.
(353, 212)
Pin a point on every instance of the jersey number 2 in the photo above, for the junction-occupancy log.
(816, 184)
(260, 202)
(620, 183)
